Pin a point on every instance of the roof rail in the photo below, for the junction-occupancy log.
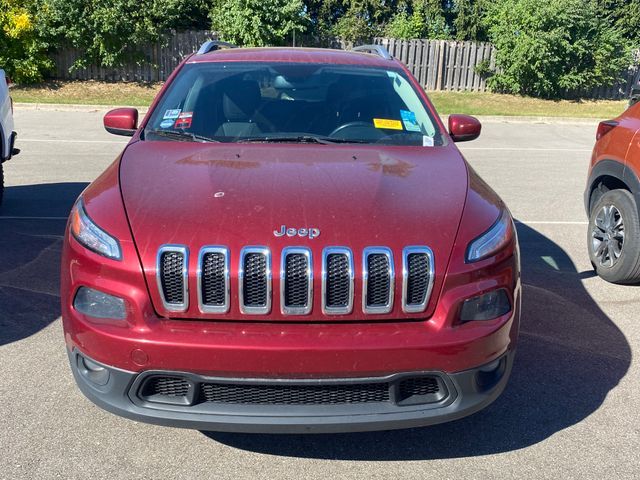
(374, 49)
(213, 45)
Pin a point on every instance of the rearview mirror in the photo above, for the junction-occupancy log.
(121, 121)
(464, 128)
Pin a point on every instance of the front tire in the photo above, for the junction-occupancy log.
(613, 237)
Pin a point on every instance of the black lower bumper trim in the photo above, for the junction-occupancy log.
(467, 392)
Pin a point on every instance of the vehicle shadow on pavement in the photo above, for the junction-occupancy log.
(30, 251)
(570, 356)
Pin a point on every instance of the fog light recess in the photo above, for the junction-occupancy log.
(487, 306)
(97, 304)
(95, 373)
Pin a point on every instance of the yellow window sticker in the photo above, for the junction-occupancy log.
(387, 123)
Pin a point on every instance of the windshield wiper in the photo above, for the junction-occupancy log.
(182, 135)
(296, 139)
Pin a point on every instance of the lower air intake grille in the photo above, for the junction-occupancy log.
(295, 394)
(419, 386)
(254, 282)
(166, 387)
(213, 279)
(379, 281)
(338, 281)
(172, 277)
(418, 278)
(296, 286)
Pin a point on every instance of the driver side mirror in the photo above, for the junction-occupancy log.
(464, 128)
(121, 121)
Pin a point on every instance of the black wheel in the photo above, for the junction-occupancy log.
(614, 237)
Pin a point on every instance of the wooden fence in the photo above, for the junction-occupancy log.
(155, 63)
(437, 64)
(442, 64)
(451, 66)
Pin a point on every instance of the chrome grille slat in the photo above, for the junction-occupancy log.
(296, 281)
(213, 279)
(171, 275)
(337, 281)
(417, 278)
(254, 279)
(378, 278)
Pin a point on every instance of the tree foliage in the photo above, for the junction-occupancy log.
(257, 22)
(109, 32)
(22, 54)
(421, 19)
(550, 49)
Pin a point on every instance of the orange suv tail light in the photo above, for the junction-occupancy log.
(605, 127)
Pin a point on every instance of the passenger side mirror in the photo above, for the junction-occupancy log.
(464, 128)
(121, 121)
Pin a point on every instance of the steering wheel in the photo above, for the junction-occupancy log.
(351, 125)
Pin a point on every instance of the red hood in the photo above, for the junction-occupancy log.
(236, 195)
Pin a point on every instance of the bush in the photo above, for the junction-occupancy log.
(420, 19)
(109, 32)
(554, 48)
(257, 22)
(21, 53)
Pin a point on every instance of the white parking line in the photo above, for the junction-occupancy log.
(2, 217)
(529, 149)
(59, 140)
(551, 222)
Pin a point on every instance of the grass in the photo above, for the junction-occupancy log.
(472, 103)
(88, 93)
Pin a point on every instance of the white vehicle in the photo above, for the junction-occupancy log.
(7, 135)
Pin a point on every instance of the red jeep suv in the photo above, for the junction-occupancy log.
(291, 242)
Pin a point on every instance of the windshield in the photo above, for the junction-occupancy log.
(292, 102)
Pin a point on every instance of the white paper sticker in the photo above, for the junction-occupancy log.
(171, 114)
(427, 141)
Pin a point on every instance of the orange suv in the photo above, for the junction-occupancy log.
(612, 199)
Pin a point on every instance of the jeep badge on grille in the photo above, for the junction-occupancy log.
(311, 232)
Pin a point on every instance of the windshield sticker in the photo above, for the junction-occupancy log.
(427, 141)
(387, 123)
(409, 120)
(171, 114)
(166, 124)
(184, 120)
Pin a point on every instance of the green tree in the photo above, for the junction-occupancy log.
(468, 23)
(421, 19)
(109, 32)
(257, 22)
(554, 48)
(22, 54)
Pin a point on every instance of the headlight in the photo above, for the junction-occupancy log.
(91, 236)
(492, 240)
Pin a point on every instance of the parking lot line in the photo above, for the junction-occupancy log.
(527, 149)
(31, 218)
(71, 140)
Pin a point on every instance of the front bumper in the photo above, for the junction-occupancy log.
(462, 393)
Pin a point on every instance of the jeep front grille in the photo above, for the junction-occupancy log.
(254, 277)
(337, 281)
(377, 280)
(296, 280)
(172, 281)
(417, 281)
(213, 280)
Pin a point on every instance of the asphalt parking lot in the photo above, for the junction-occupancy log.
(571, 409)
